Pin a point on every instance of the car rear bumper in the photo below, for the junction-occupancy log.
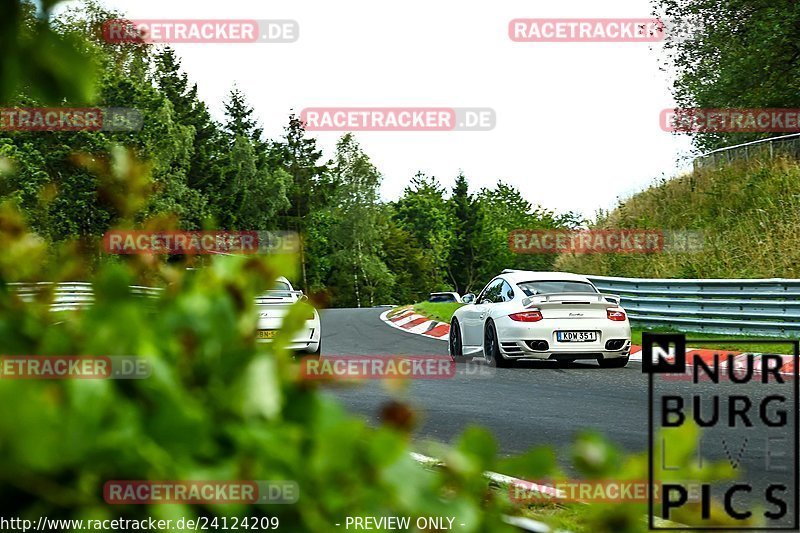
(307, 340)
(298, 345)
(538, 340)
(567, 355)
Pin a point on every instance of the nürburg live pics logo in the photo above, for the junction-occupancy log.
(745, 407)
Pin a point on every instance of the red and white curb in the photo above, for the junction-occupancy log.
(412, 322)
(407, 320)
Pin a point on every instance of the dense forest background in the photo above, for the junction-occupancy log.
(207, 174)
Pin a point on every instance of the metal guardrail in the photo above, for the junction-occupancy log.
(768, 307)
(742, 306)
(69, 295)
(769, 147)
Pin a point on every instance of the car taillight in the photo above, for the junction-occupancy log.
(616, 315)
(527, 316)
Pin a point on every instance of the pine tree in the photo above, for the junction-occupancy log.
(203, 173)
(424, 212)
(309, 190)
(465, 261)
(251, 193)
(240, 117)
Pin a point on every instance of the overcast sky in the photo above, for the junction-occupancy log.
(577, 123)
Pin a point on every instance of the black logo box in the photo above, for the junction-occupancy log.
(678, 366)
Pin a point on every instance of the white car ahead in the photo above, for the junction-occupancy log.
(541, 315)
(272, 307)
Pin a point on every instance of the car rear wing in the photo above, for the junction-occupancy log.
(572, 298)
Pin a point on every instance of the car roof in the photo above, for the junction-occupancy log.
(521, 276)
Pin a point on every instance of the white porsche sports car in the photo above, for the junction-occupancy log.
(541, 315)
(272, 307)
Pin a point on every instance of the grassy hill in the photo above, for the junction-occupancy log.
(749, 213)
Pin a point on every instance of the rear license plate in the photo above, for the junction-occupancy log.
(576, 336)
(266, 333)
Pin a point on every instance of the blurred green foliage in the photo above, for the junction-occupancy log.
(46, 65)
(217, 405)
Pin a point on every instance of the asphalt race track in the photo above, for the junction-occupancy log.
(531, 404)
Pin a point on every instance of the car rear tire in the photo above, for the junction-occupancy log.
(617, 362)
(491, 347)
(454, 346)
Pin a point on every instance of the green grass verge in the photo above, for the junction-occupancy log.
(442, 311)
(746, 211)
(636, 338)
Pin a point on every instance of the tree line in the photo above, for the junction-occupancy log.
(735, 54)
(357, 250)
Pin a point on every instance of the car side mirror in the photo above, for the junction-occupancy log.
(468, 298)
